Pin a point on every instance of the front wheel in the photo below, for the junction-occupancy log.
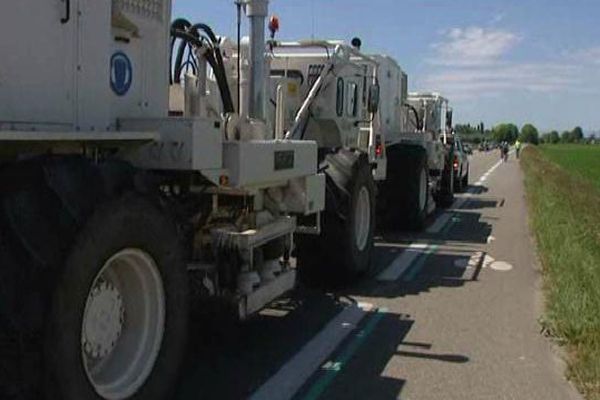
(119, 316)
(344, 249)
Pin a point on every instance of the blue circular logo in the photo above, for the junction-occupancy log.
(121, 73)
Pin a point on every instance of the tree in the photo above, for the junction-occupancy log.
(577, 134)
(592, 139)
(505, 133)
(566, 137)
(529, 134)
(553, 137)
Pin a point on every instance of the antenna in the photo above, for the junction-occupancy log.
(312, 19)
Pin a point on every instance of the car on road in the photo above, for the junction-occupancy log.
(460, 165)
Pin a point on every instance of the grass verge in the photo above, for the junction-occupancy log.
(564, 210)
(581, 159)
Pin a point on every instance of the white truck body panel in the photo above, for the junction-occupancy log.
(393, 93)
(66, 81)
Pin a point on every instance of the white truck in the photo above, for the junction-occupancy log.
(384, 153)
(123, 192)
(380, 149)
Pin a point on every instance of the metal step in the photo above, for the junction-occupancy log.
(266, 293)
(252, 238)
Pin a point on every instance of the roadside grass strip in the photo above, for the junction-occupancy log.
(333, 367)
(579, 159)
(564, 215)
(293, 375)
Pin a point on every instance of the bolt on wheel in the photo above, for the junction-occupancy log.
(123, 324)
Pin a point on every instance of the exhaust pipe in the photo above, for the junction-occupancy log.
(257, 11)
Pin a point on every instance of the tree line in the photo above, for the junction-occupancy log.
(509, 132)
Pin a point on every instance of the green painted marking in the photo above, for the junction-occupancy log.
(331, 369)
(418, 265)
(450, 224)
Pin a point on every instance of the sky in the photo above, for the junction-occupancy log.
(521, 61)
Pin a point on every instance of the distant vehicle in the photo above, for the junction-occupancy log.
(460, 165)
(468, 148)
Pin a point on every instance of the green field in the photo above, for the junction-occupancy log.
(582, 160)
(564, 212)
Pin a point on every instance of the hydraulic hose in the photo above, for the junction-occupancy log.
(178, 24)
(417, 119)
(213, 57)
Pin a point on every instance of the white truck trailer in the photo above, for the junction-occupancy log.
(123, 193)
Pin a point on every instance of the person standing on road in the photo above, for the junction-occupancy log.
(504, 151)
(517, 147)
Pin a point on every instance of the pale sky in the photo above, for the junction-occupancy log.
(515, 61)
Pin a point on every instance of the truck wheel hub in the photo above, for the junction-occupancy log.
(123, 324)
(103, 321)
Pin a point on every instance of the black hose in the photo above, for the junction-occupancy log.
(417, 119)
(179, 60)
(209, 32)
(178, 24)
(213, 57)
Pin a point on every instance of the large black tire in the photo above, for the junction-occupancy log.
(131, 222)
(465, 180)
(45, 202)
(337, 256)
(419, 198)
(445, 195)
(458, 183)
(404, 195)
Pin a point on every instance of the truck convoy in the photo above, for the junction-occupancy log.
(147, 161)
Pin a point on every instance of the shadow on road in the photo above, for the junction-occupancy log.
(365, 377)
(230, 360)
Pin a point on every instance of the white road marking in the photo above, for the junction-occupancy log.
(439, 223)
(490, 239)
(402, 262)
(290, 378)
(475, 259)
(458, 203)
(501, 266)
(461, 263)
(488, 260)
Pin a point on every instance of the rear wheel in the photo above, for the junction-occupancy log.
(344, 249)
(418, 197)
(465, 181)
(404, 195)
(445, 196)
(118, 321)
(458, 183)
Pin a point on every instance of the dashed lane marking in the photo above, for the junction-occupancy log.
(290, 378)
(333, 367)
(402, 262)
(439, 223)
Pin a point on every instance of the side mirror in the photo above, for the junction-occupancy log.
(373, 105)
(449, 119)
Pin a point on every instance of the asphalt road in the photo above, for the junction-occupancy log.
(449, 313)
